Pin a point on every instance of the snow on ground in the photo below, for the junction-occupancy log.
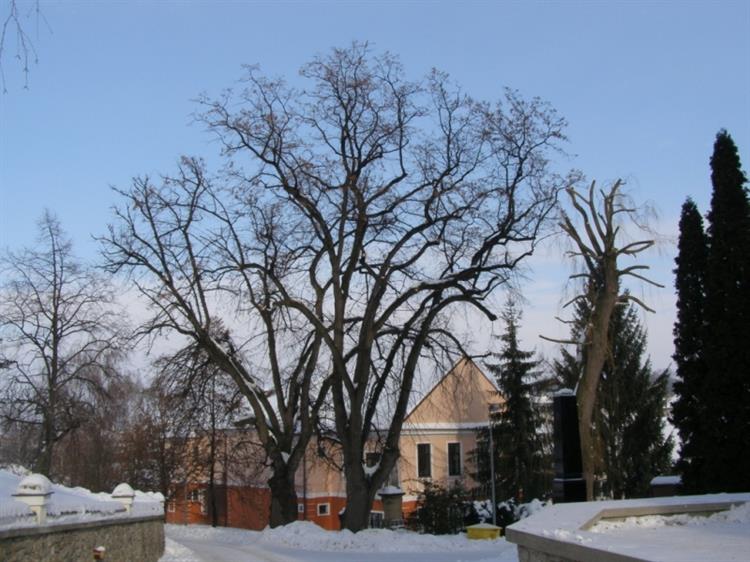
(175, 552)
(304, 541)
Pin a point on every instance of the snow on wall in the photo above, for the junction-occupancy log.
(67, 505)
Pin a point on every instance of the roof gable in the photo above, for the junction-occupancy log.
(461, 396)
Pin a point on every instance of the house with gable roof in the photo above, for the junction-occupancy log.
(441, 430)
(437, 436)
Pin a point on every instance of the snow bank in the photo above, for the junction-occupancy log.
(305, 535)
(308, 535)
(517, 511)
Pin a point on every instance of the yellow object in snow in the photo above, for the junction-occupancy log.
(483, 531)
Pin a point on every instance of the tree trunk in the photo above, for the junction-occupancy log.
(43, 464)
(586, 433)
(359, 497)
(283, 496)
(596, 356)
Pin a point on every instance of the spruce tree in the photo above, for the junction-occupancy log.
(727, 313)
(521, 464)
(629, 422)
(633, 400)
(689, 413)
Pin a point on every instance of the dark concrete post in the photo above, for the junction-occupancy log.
(568, 485)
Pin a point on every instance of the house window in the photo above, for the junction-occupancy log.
(424, 460)
(198, 496)
(171, 507)
(324, 508)
(371, 459)
(300, 508)
(454, 459)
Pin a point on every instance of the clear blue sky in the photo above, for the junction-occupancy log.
(645, 87)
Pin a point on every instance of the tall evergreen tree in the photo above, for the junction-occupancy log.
(689, 409)
(727, 314)
(629, 422)
(520, 465)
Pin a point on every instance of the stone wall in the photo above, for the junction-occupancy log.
(529, 555)
(134, 539)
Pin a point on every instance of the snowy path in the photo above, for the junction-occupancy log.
(214, 552)
(298, 543)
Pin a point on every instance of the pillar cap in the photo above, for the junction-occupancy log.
(123, 491)
(391, 491)
(34, 485)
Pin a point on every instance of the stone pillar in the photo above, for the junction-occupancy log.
(34, 491)
(124, 494)
(568, 485)
(393, 515)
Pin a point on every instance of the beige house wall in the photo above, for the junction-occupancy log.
(462, 396)
(318, 476)
(451, 412)
(411, 483)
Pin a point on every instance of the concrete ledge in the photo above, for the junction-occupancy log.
(561, 532)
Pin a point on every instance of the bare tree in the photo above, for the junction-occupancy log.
(60, 333)
(184, 248)
(15, 30)
(596, 231)
(350, 219)
(211, 405)
(392, 203)
(91, 455)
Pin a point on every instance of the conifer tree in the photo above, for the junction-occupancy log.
(633, 400)
(629, 421)
(727, 313)
(520, 465)
(689, 409)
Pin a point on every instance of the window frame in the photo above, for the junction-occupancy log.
(372, 458)
(429, 467)
(460, 459)
(327, 506)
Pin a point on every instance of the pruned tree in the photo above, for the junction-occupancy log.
(61, 335)
(595, 228)
(631, 405)
(394, 203)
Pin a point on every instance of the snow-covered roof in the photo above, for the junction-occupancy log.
(666, 481)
